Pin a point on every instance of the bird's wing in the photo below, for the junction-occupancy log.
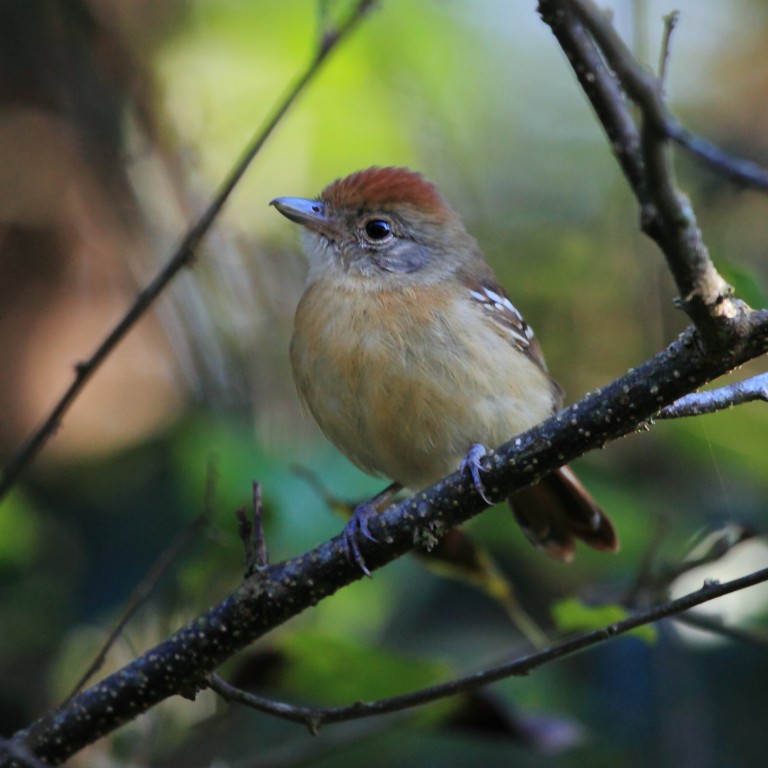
(505, 318)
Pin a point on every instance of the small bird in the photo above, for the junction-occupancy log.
(412, 358)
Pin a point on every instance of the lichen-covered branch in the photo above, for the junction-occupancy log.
(280, 591)
(713, 400)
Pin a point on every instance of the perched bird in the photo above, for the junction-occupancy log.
(411, 357)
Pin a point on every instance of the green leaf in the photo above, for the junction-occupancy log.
(572, 615)
(332, 670)
(19, 532)
(746, 284)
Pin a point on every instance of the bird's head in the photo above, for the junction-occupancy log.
(381, 227)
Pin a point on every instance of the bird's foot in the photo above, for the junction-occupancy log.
(472, 463)
(358, 524)
(357, 527)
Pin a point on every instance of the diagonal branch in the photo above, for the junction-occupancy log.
(281, 591)
(181, 258)
(274, 594)
(644, 89)
(716, 627)
(666, 213)
(315, 717)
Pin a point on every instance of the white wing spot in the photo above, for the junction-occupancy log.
(513, 321)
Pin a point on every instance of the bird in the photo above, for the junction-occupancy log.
(412, 358)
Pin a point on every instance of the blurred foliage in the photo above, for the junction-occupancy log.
(105, 158)
(572, 615)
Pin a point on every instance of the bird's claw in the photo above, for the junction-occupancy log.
(472, 462)
(357, 526)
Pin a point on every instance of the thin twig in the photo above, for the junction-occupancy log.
(602, 90)
(283, 590)
(716, 627)
(315, 717)
(639, 86)
(714, 546)
(141, 594)
(245, 532)
(182, 257)
(654, 581)
(259, 541)
(152, 577)
(670, 22)
(669, 219)
(251, 530)
(713, 400)
(744, 172)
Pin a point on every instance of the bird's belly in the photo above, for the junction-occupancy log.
(405, 395)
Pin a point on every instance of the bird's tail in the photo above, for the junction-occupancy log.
(557, 510)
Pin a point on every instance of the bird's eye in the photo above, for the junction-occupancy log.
(378, 229)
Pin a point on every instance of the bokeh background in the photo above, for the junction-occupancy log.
(118, 118)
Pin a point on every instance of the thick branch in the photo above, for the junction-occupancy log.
(666, 214)
(603, 91)
(281, 591)
(276, 593)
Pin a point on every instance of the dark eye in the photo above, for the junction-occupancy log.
(378, 229)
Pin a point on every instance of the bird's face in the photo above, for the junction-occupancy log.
(382, 227)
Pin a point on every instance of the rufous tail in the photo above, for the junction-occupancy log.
(557, 510)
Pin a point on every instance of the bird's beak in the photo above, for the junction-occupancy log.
(309, 213)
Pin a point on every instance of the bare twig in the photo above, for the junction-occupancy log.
(602, 90)
(182, 257)
(283, 590)
(315, 717)
(737, 169)
(261, 558)
(716, 627)
(670, 220)
(713, 400)
(252, 533)
(152, 578)
(141, 594)
(670, 22)
(245, 532)
(710, 549)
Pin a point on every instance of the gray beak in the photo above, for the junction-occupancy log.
(309, 213)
